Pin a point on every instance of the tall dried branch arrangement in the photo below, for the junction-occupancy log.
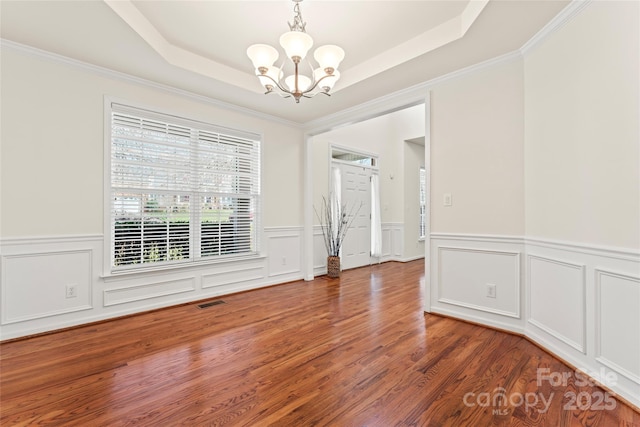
(335, 220)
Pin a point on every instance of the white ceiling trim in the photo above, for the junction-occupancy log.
(405, 98)
(443, 34)
(176, 55)
(412, 95)
(471, 12)
(128, 78)
(558, 21)
(428, 41)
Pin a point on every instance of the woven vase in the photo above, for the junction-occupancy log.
(333, 266)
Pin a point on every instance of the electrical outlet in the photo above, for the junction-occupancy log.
(284, 260)
(491, 290)
(447, 199)
(71, 291)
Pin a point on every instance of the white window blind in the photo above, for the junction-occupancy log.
(423, 204)
(181, 190)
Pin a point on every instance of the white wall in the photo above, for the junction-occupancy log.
(52, 203)
(541, 156)
(477, 131)
(383, 136)
(582, 169)
(582, 185)
(413, 161)
(477, 145)
(52, 146)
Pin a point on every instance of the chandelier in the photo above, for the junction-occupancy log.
(296, 43)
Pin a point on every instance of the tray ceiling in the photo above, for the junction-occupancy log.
(199, 46)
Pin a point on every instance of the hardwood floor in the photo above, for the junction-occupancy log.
(354, 351)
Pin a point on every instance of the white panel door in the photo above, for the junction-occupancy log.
(356, 192)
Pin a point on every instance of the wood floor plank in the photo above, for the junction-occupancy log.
(354, 351)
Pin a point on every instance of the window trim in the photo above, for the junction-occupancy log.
(108, 244)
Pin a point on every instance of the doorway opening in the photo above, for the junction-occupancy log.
(351, 180)
(388, 130)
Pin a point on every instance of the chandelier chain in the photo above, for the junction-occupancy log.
(298, 23)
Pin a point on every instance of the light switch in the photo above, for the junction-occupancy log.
(447, 199)
(491, 290)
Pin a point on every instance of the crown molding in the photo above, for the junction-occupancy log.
(128, 78)
(398, 100)
(416, 94)
(445, 33)
(383, 105)
(572, 10)
(430, 40)
(178, 56)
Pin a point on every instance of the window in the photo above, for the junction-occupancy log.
(181, 191)
(423, 204)
(353, 158)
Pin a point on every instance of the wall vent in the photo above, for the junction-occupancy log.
(210, 303)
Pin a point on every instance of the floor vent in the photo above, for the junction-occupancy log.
(210, 303)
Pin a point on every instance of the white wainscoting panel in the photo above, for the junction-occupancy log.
(574, 287)
(34, 284)
(618, 322)
(397, 240)
(392, 242)
(319, 252)
(240, 273)
(464, 275)
(461, 267)
(386, 243)
(557, 305)
(35, 273)
(285, 252)
(145, 291)
(580, 302)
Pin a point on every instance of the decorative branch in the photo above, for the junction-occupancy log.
(335, 221)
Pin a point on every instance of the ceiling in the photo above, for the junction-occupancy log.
(200, 46)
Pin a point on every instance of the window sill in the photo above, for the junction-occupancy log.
(178, 267)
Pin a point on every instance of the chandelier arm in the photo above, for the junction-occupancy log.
(292, 93)
(305, 95)
(277, 84)
(316, 84)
